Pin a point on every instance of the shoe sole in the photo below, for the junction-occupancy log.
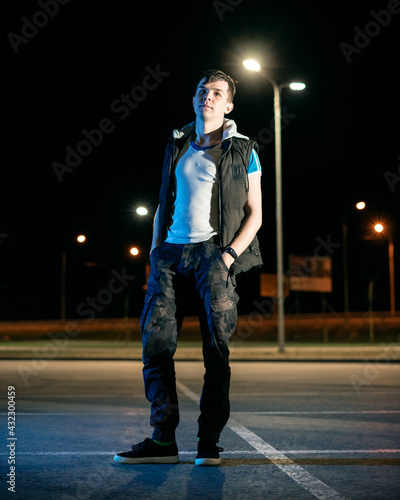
(207, 461)
(147, 460)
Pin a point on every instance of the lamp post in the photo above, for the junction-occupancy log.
(379, 228)
(254, 66)
(80, 239)
(359, 206)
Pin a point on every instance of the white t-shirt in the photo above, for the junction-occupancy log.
(195, 217)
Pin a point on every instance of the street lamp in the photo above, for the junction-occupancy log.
(380, 228)
(254, 66)
(80, 239)
(360, 205)
(142, 211)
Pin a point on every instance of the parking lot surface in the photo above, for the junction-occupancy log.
(303, 430)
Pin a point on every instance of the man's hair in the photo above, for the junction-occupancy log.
(215, 75)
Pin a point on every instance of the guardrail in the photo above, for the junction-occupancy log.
(252, 327)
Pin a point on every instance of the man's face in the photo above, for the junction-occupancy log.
(212, 100)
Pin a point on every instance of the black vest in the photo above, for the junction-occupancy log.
(233, 192)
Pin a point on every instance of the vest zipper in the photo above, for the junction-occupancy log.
(170, 190)
(220, 194)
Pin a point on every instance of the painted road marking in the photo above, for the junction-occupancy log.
(317, 412)
(307, 481)
(144, 411)
(190, 394)
(310, 483)
(193, 452)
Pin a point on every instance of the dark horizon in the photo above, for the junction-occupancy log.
(113, 82)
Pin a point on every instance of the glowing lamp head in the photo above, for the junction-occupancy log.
(251, 65)
(297, 86)
(81, 238)
(378, 228)
(142, 211)
(361, 205)
(134, 251)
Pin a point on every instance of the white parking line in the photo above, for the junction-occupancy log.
(336, 452)
(144, 411)
(307, 481)
(317, 394)
(193, 452)
(310, 483)
(190, 394)
(317, 412)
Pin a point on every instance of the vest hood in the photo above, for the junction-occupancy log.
(229, 131)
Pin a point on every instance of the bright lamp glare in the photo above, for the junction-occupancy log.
(360, 205)
(378, 228)
(81, 238)
(297, 86)
(134, 251)
(251, 65)
(142, 211)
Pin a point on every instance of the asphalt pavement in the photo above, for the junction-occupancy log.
(327, 430)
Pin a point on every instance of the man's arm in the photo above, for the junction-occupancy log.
(252, 222)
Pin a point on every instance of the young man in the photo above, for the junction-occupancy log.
(204, 234)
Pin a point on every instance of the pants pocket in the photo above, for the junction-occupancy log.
(147, 303)
(224, 314)
(158, 327)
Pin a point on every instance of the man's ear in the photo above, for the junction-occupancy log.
(229, 107)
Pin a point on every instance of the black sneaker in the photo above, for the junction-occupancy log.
(208, 453)
(149, 452)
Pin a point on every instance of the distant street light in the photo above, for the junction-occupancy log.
(379, 228)
(134, 251)
(254, 66)
(360, 206)
(80, 239)
(142, 211)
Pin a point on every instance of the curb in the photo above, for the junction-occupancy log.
(382, 354)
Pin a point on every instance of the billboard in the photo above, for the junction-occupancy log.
(310, 274)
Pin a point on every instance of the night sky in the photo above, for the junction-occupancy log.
(340, 139)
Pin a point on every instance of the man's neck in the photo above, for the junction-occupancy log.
(208, 134)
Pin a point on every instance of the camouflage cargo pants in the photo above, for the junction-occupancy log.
(173, 269)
